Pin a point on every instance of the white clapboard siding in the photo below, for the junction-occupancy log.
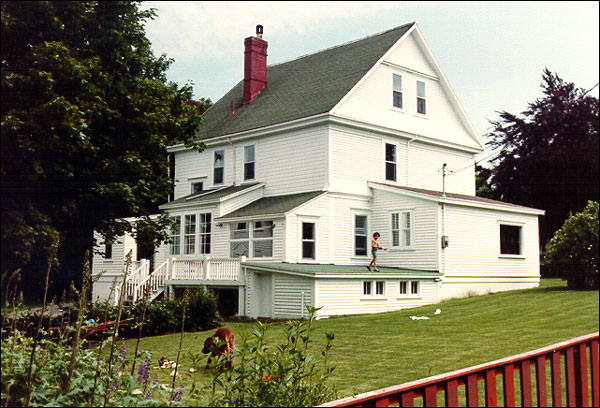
(424, 253)
(425, 164)
(472, 262)
(345, 296)
(315, 211)
(113, 268)
(288, 295)
(294, 161)
(371, 100)
(344, 209)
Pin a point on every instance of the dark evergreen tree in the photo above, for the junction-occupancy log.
(548, 155)
(87, 113)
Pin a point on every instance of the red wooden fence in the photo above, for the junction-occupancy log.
(576, 369)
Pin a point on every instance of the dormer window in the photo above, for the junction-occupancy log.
(397, 90)
(197, 187)
(219, 167)
(421, 97)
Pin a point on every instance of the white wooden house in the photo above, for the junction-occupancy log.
(305, 160)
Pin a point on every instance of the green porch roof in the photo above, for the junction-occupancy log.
(208, 195)
(275, 205)
(327, 269)
(300, 88)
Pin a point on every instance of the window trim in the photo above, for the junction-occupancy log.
(204, 234)
(244, 162)
(303, 240)
(251, 226)
(220, 167)
(192, 235)
(521, 225)
(394, 90)
(424, 98)
(373, 285)
(385, 161)
(192, 187)
(367, 214)
(409, 285)
(313, 220)
(197, 235)
(400, 230)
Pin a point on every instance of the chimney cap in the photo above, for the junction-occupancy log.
(259, 31)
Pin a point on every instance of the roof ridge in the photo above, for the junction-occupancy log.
(341, 45)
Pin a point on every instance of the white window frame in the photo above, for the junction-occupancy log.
(192, 187)
(175, 245)
(410, 284)
(400, 108)
(192, 235)
(254, 239)
(385, 161)
(311, 220)
(201, 223)
(251, 239)
(220, 167)
(401, 242)
(368, 242)
(520, 225)
(253, 145)
(303, 240)
(373, 286)
(424, 98)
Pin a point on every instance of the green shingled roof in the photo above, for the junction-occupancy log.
(300, 88)
(272, 205)
(209, 195)
(320, 269)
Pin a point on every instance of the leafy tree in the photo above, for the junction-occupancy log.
(482, 183)
(548, 155)
(574, 248)
(87, 113)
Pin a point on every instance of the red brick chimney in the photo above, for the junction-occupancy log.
(255, 65)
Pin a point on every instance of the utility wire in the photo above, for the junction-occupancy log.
(590, 89)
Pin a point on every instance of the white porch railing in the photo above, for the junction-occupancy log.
(207, 269)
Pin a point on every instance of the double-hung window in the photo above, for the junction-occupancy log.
(397, 91)
(175, 244)
(189, 234)
(262, 239)
(239, 239)
(373, 288)
(204, 232)
(421, 97)
(249, 162)
(402, 229)
(390, 162)
(219, 167)
(308, 240)
(360, 235)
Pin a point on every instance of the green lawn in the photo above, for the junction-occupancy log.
(379, 350)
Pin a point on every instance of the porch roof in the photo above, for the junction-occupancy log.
(329, 270)
(213, 194)
(274, 205)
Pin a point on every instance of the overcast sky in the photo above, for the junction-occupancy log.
(493, 53)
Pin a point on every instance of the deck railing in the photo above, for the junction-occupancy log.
(206, 269)
(569, 358)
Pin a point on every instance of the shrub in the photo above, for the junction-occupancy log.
(574, 248)
(284, 375)
(202, 311)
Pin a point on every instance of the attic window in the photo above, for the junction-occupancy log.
(421, 97)
(397, 90)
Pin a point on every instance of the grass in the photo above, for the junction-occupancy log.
(379, 350)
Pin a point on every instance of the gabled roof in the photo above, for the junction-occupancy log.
(452, 197)
(300, 88)
(274, 205)
(208, 196)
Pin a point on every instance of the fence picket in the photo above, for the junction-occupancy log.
(556, 380)
(540, 375)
